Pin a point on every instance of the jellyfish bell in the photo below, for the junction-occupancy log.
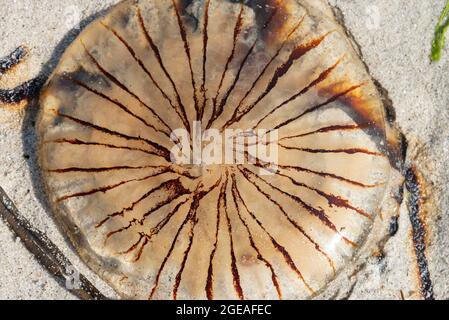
(157, 229)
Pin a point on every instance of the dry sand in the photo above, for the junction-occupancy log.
(394, 37)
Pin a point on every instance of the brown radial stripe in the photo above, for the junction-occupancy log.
(174, 187)
(102, 169)
(234, 268)
(142, 235)
(261, 164)
(160, 151)
(98, 144)
(235, 194)
(396, 144)
(347, 151)
(322, 77)
(276, 245)
(329, 175)
(154, 231)
(210, 272)
(287, 216)
(195, 202)
(319, 213)
(118, 104)
(114, 80)
(331, 199)
(243, 63)
(158, 56)
(193, 221)
(142, 247)
(161, 268)
(105, 189)
(295, 28)
(148, 213)
(169, 200)
(317, 107)
(159, 228)
(183, 34)
(296, 54)
(130, 224)
(145, 69)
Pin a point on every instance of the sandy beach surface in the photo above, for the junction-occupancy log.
(394, 38)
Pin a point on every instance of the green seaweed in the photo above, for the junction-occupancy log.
(440, 31)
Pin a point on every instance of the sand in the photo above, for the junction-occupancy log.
(394, 38)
